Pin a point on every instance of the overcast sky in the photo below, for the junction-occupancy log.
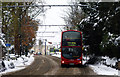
(52, 17)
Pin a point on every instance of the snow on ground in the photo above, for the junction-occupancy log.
(103, 70)
(57, 54)
(19, 64)
(110, 61)
(100, 69)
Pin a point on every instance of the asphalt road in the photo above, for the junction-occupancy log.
(48, 65)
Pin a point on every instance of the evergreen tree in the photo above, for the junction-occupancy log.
(100, 26)
(102, 21)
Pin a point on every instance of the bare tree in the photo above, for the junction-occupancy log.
(73, 16)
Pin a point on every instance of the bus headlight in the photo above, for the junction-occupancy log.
(79, 62)
(63, 62)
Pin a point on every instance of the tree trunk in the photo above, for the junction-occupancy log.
(17, 44)
(0, 52)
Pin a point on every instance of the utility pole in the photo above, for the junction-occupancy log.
(40, 47)
(45, 45)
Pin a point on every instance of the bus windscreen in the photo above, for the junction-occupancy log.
(71, 38)
(71, 53)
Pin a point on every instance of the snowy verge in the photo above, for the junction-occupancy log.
(104, 66)
(19, 64)
(103, 70)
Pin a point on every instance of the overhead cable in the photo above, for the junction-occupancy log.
(45, 6)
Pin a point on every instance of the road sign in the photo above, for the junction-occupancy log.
(8, 45)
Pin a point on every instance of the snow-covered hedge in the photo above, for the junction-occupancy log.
(105, 60)
(109, 61)
(20, 63)
(117, 40)
(2, 39)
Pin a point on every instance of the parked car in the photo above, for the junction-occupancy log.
(38, 53)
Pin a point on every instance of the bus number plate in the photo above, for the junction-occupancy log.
(71, 63)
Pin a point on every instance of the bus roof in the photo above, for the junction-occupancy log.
(71, 30)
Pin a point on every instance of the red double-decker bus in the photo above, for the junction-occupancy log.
(71, 48)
